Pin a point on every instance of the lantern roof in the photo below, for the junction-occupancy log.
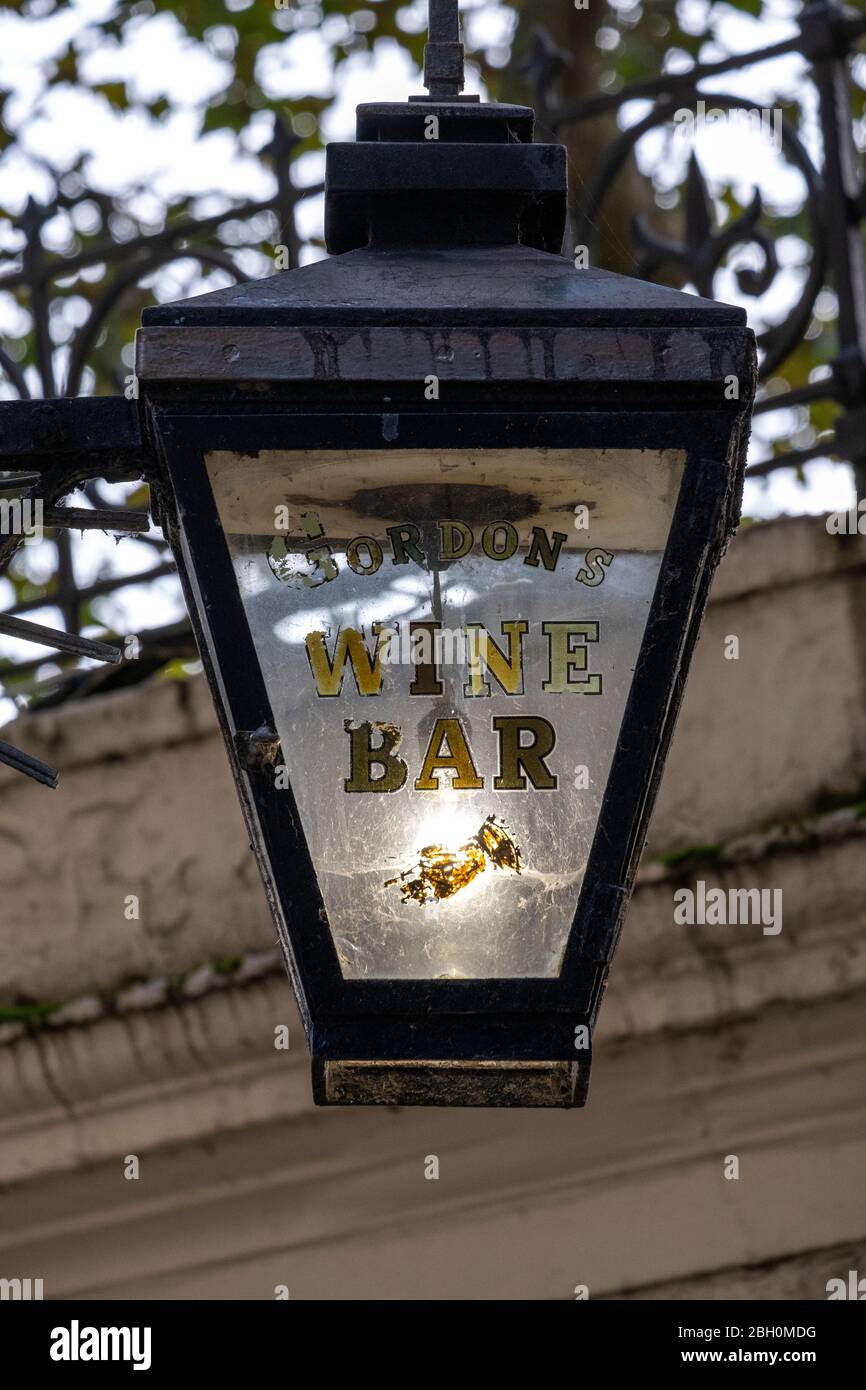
(479, 285)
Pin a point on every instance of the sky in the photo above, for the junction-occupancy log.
(170, 157)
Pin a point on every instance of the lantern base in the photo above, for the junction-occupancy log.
(562, 1085)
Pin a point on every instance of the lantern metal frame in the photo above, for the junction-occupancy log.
(444, 267)
(365, 1034)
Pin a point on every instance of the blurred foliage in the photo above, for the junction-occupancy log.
(50, 203)
(604, 48)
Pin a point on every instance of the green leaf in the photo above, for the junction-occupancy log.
(114, 92)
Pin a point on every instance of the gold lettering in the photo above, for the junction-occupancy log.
(426, 680)
(514, 755)
(506, 548)
(458, 756)
(364, 757)
(450, 548)
(374, 554)
(328, 674)
(565, 659)
(507, 671)
(542, 549)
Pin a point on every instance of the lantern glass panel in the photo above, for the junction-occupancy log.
(447, 639)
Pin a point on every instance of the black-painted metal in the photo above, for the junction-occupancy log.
(505, 1021)
(536, 353)
(443, 52)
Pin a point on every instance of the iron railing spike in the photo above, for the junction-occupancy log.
(60, 641)
(98, 519)
(28, 766)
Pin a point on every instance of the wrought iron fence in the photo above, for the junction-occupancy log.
(835, 207)
(126, 263)
(828, 35)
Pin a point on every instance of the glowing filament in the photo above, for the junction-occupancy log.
(442, 872)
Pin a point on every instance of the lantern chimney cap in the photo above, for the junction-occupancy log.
(415, 174)
(443, 54)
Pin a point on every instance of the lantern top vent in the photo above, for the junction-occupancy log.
(415, 174)
(443, 52)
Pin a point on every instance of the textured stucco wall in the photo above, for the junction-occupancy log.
(712, 1041)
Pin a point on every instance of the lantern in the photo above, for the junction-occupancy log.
(446, 509)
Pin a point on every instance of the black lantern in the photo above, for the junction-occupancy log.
(446, 509)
